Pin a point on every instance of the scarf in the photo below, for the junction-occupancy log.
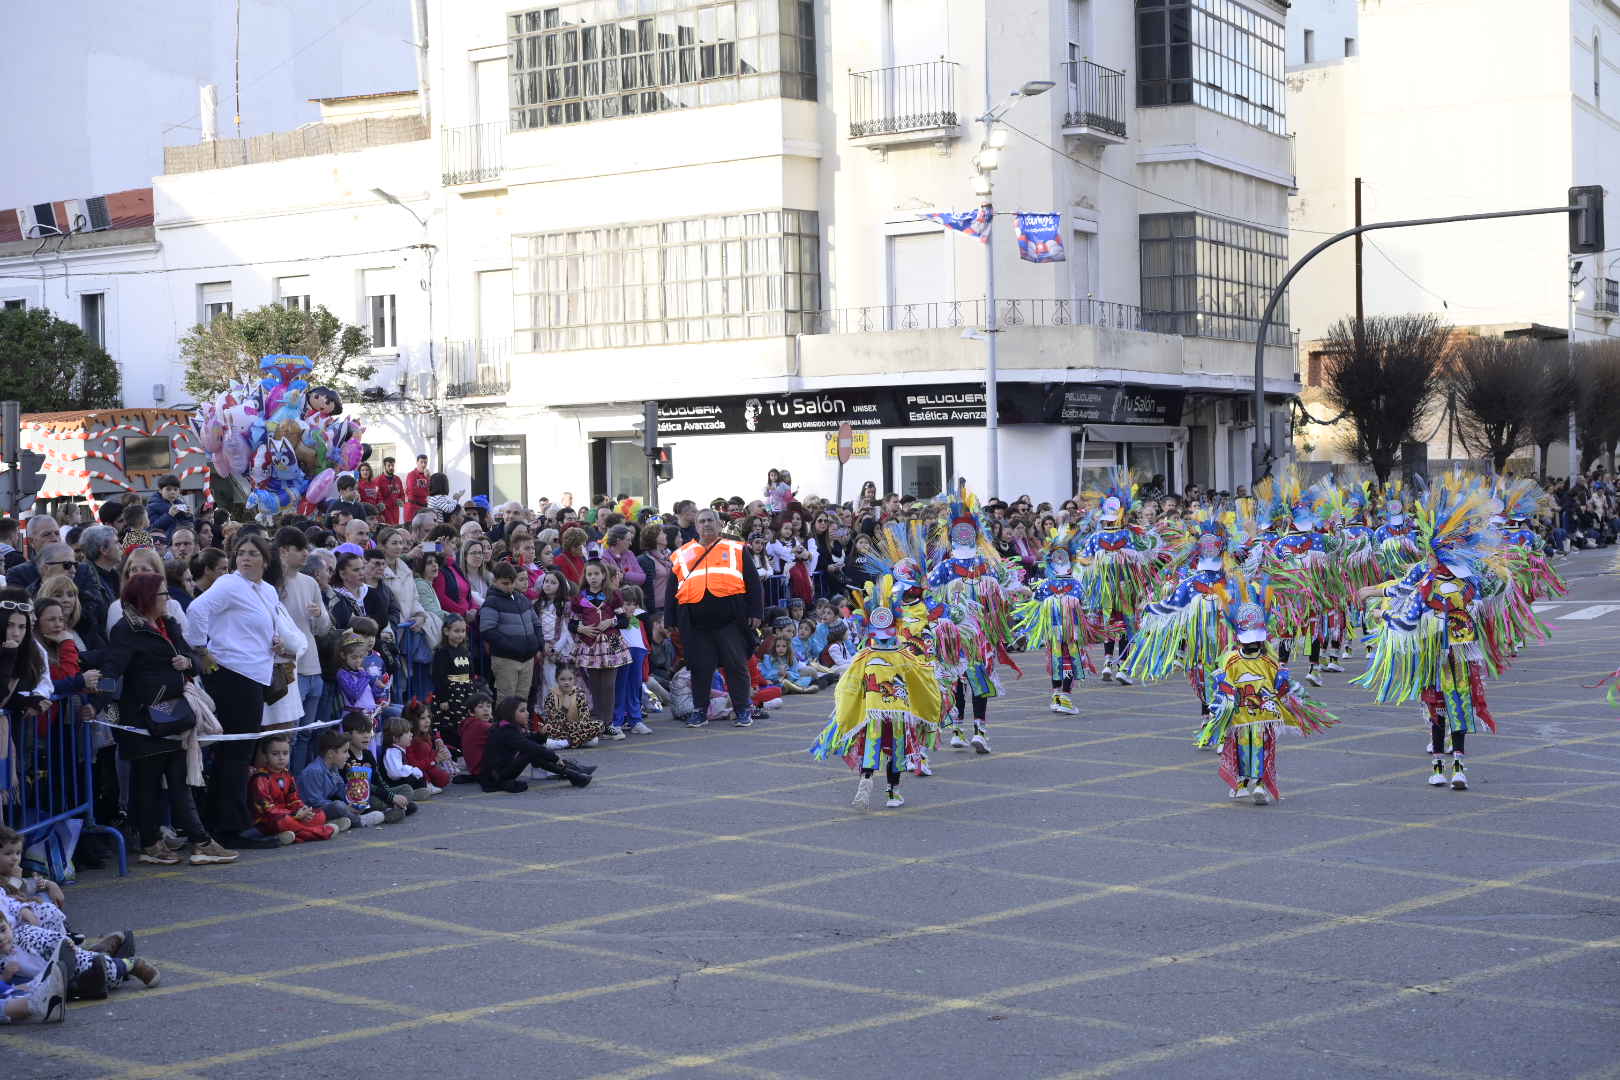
(202, 706)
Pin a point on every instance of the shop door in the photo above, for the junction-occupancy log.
(1153, 462)
(618, 468)
(917, 467)
(500, 468)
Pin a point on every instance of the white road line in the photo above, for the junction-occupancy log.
(1545, 606)
(1595, 611)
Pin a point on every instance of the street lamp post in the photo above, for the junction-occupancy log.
(985, 163)
(1569, 360)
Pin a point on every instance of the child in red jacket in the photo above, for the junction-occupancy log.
(277, 809)
(426, 751)
(475, 736)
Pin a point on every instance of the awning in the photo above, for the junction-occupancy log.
(1139, 433)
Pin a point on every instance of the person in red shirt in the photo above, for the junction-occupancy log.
(277, 809)
(391, 490)
(367, 483)
(416, 489)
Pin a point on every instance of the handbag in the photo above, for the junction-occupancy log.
(173, 718)
(282, 675)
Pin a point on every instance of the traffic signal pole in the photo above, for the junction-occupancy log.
(1263, 455)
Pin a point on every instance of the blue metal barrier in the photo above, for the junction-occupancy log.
(47, 777)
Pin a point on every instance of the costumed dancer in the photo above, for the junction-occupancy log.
(1394, 541)
(1523, 554)
(1358, 554)
(883, 702)
(1187, 627)
(1117, 562)
(1251, 697)
(1053, 617)
(966, 583)
(1308, 585)
(900, 550)
(1429, 643)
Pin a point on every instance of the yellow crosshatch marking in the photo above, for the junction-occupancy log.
(726, 868)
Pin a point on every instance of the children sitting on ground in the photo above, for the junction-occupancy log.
(363, 777)
(475, 736)
(323, 787)
(781, 668)
(31, 988)
(455, 681)
(565, 717)
(840, 653)
(397, 772)
(277, 809)
(426, 750)
(510, 750)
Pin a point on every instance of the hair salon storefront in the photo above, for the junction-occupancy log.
(1054, 438)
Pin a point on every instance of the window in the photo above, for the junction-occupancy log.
(1214, 53)
(293, 293)
(745, 275)
(16, 305)
(380, 313)
(574, 61)
(1204, 276)
(1609, 301)
(93, 317)
(1349, 47)
(1310, 46)
(214, 299)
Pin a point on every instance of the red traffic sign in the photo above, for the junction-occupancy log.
(846, 443)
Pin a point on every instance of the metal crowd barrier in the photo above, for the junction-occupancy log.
(47, 767)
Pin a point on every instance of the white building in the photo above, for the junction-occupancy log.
(716, 205)
(1453, 107)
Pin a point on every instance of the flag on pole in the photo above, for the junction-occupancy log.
(973, 222)
(1040, 237)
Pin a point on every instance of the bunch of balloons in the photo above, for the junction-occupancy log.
(280, 441)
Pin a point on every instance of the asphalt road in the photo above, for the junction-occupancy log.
(1084, 902)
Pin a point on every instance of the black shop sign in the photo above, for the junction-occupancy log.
(941, 405)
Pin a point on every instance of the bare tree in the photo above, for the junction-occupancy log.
(1384, 380)
(1549, 417)
(1597, 398)
(1496, 383)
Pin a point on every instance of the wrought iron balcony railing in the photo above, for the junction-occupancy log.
(909, 98)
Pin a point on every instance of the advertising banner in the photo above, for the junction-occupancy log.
(973, 222)
(1040, 237)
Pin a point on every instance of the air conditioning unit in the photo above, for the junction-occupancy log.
(76, 217)
(96, 210)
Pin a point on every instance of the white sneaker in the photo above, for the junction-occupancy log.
(1123, 679)
(1260, 795)
(640, 728)
(1333, 665)
(923, 769)
(863, 794)
(1057, 699)
(1459, 779)
(613, 733)
(1313, 678)
(371, 818)
(1437, 778)
(1107, 672)
(1065, 705)
(981, 745)
(894, 800)
(956, 742)
(595, 742)
(433, 790)
(1236, 793)
(557, 744)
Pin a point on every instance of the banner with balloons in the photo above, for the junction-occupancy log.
(1040, 237)
(973, 222)
(279, 441)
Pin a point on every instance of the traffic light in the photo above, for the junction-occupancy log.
(664, 459)
(1585, 220)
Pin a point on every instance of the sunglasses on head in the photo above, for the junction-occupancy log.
(17, 605)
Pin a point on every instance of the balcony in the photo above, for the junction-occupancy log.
(472, 154)
(966, 314)
(1608, 300)
(1096, 107)
(907, 104)
(476, 367)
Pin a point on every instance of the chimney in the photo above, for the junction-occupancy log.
(209, 96)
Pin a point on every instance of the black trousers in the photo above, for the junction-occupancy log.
(239, 704)
(725, 647)
(529, 753)
(147, 777)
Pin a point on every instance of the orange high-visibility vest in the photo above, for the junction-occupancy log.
(719, 573)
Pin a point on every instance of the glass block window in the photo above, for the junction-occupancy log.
(1204, 276)
(584, 60)
(1214, 53)
(747, 275)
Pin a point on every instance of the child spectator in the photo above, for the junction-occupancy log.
(31, 988)
(809, 643)
(323, 788)
(475, 735)
(375, 667)
(668, 678)
(355, 692)
(510, 750)
(565, 718)
(455, 681)
(556, 642)
(781, 668)
(363, 778)
(840, 653)
(597, 615)
(426, 750)
(627, 688)
(277, 809)
(508, 626)
(398, 773)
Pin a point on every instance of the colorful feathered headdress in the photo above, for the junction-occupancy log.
(1247, 609)
(1522, 498)
(1115, 502)
(900, 549)
(1061, 545)
(1454, 522)
(881, 610)
(964, 524)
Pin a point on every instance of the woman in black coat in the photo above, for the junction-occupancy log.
(147, 652)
